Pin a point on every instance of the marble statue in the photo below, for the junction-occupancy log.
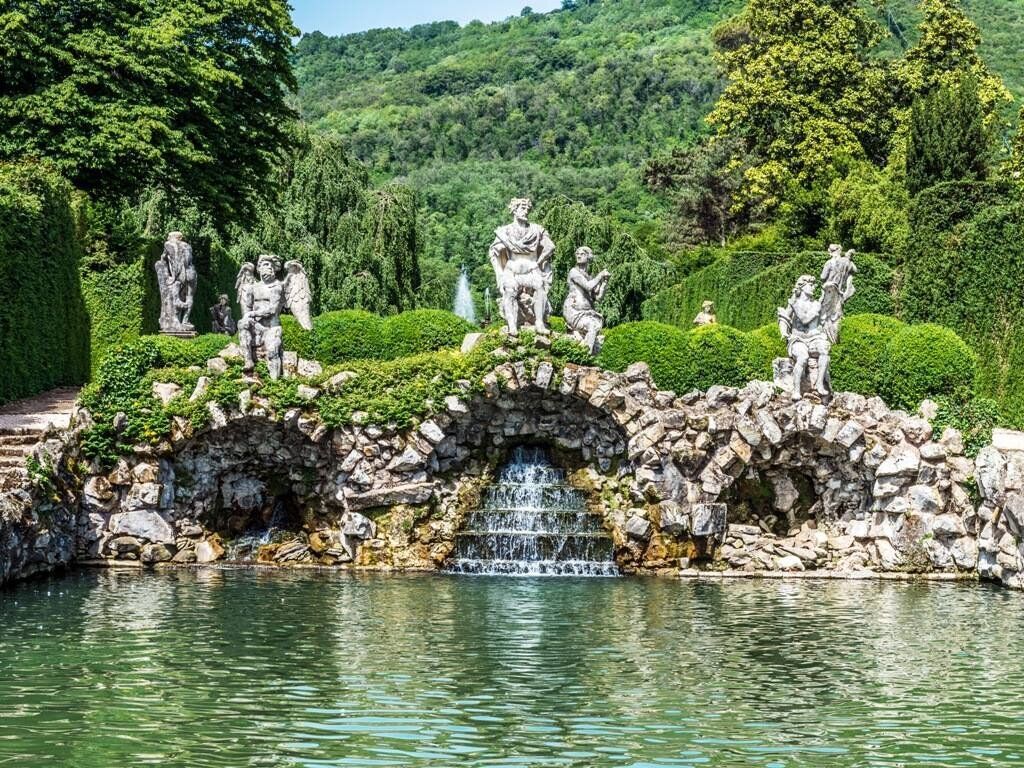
(220, 317)
(176, 277)
(579, 309)
(521, 257)
(262, 301)
(707, 314)
(810, 326)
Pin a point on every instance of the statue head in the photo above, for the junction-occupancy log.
(222, 299)
(268, 265)
(835, 250)
(804, 286)
(175, 237)
(584, 256)
(520, 207)
(708, 307)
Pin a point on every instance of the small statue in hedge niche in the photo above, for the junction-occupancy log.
(176, 278)
(262, 302)
(221, 320)
(811, 326)
(579, 309)
(521, 258)
(707, 315)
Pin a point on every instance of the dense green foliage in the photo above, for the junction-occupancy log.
(123, 95)
(948, 138)
(927, 361)
(748, 287)
(859, 360)
(44, 328)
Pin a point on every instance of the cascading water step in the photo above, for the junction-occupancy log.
(532, 523)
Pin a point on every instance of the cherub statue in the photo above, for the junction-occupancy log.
(262, 302)
(811, 326)
(707, 314)
(220, 317)
(176, 277)
(521, 257)
(580, 304)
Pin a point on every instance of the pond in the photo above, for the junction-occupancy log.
(264, 668)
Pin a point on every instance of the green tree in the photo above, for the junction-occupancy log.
(704, 184)
(804, 95)
(948, 140)
(946, 51)
(125, 95)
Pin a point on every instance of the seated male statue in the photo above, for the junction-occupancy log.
(521, 257)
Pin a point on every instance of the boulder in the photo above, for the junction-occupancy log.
(208, 551)
(145, 525)
(638, 528)
(708, 520)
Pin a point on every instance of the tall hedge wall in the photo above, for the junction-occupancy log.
(965, 270)
(748, 287)
(44, 328)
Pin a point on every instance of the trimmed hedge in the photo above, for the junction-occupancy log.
(349, 334)
(114, 298)
(764, 344)
(927, 361)
(44, 326)
(423, 330)
(859, 360)
(663, 347)
(747, 288)
(715, 354)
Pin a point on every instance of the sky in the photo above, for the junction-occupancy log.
(338, 17)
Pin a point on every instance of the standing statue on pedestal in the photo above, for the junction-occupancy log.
(262, 302)
(579, 308)
(176, 277)
(521, 257)
(221, 320)
(811, 326)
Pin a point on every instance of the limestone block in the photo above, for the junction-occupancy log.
(208, 551)
(903, 461)
(165, 391)
(403, 493)
(217, 365)
(674, 518)
(1007, 440)
(850, 433)
(143, 525)
(789, 563)
(708, 520)
(638, 528)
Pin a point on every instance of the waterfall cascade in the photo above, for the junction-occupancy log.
(533, 523)
(464, 299)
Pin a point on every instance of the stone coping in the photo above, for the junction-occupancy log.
(693, 574)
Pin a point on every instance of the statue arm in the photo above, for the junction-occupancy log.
(547, 249)
(497, 262)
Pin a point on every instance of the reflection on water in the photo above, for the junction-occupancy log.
(250, 668)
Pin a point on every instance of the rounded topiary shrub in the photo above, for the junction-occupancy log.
(423, 330)
(859, 362)
(715, 354)
(349, 334)
(296, 338)
(927, 361)
(663, 347)
(764, 344)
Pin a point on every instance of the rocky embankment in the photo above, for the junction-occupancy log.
(731, 479)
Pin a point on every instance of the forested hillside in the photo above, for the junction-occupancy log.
(571, 103)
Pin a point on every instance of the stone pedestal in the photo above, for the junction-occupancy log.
(180, 334)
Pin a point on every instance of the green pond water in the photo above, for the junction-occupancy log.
(250, 668)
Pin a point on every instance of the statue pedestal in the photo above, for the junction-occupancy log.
(180, 334)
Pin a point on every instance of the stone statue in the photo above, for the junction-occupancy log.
(579, 308)
(176, 276)
(521, 257)
(707, 314)
(220, 317)
(811, 326)
(262, 302)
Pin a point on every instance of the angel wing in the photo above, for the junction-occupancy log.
(298, 296)
(243, 284)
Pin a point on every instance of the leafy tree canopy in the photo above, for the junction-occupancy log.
(127, 95)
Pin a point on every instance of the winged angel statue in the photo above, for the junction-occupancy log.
(262, 300)
(811, 326)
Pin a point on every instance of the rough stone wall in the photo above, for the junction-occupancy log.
(38, 521)
(665, 469)
(1000, 517)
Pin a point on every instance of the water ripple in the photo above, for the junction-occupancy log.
(253, 668)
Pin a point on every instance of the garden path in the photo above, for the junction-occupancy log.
(23, 423)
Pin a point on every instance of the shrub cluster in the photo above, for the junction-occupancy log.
(876, 355)
(44, 326)
(353, 334)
